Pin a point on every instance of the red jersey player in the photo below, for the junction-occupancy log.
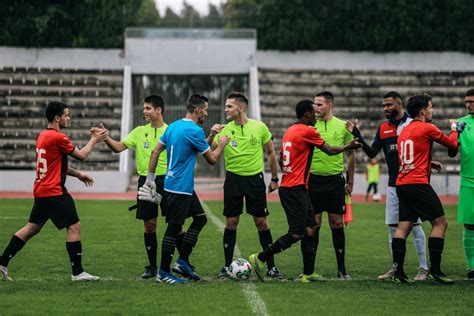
(417, 198)
(295, 160)
(52, 201)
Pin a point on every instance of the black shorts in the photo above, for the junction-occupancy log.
(298, 209)
(252, 188)
(327, 193)
(182, 206)
(148, 210)
(60, 209)
(418, 201)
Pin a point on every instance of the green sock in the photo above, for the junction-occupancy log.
(469, 247)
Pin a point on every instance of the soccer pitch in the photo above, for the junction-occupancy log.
(113, 249)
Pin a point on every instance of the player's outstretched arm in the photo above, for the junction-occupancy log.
(216, 129)
(370, 151)
(452, 152)
(87, 179)
(84, 152)
(212, 156)
(114, 145)
(451, 141)
(272, 162)
(334, 150)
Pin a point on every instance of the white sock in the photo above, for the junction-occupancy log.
(391, 232)
(419, 240)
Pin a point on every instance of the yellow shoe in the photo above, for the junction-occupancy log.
(314, 277)
(257, 266)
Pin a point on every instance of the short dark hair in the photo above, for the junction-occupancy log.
(416, 103)
(195, 101)
(328, 96)
(238, 96)
(394, 95)
(302, 107)
(470, 93)
(156, 101)
(54, 109)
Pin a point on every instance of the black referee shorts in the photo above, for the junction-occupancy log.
(60, 209)
(182, 206)
(298, 209)
(148, 210)
(327, 193)
(418, 201)
(252, 188)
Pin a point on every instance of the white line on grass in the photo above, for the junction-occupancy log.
(250, 291)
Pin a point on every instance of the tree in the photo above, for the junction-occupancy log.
(171, 19)
(69, 23)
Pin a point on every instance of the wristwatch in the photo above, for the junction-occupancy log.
(275, 180)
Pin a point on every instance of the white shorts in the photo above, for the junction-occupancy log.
(391, 207)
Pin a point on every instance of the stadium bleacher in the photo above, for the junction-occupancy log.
(358, 94)
(96, 96)
(93, 95)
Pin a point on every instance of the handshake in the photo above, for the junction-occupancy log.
(99, 133)
(148, 193)
(457, 126)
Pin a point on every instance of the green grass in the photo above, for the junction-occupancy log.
(113, 249)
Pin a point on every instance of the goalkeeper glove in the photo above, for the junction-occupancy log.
(146, 193)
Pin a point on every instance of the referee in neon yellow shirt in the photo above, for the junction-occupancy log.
(327, 185)
(244, 166)
(143, 139)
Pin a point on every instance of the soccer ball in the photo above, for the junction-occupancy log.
(240, 269)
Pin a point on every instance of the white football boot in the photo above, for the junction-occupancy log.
(84, 276)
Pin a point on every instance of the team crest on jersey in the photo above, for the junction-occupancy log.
(233, 144)
(253, 140)
(335, 136)
(146, 145)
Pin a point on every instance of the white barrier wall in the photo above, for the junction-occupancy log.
(104, 181)
(69, 58)
(341, 60)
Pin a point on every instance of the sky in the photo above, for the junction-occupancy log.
(201, 6)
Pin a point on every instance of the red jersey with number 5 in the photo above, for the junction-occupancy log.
(52, 148)
(296, 153)
(414, 151)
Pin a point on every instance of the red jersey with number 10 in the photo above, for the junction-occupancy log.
(297, 152)
(52, 148)
(414, 151)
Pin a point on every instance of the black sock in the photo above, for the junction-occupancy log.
(74, 250)
(316, 241)
(435, 246)
(230, 238)
(281, 244)
(11, 250)
(167, 246)
(179, 241)
(399, 249)
(307, 250)
(191, 236)
(339, 243)
(266, 241)
(151, 246)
